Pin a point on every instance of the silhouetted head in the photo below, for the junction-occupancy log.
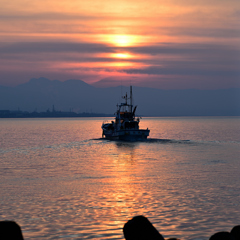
(222, 236)
(236, 232)
(10, 230)
(139, 228)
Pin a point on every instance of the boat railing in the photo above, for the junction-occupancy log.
(107, 121)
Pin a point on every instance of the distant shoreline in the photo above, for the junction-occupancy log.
(60, 114)
(48, 114)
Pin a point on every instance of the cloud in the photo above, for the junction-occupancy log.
(184, 49)
(210, 32)
(187, 71)
(46, 16)
(162, 59)
(53, 47)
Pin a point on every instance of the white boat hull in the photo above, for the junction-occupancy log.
(127, 135)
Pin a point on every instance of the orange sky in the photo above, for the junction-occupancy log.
(163, 44)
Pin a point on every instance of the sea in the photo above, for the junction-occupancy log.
(59, 179)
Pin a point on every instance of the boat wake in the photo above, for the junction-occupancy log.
(156, 140)
(168, 141)
(148, 140)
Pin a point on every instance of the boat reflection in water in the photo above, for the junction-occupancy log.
(126, 125)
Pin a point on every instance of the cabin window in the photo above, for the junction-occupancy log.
(131, 125)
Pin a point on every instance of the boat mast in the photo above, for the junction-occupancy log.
(131, 98)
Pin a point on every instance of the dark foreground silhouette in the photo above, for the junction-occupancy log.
(138, 228)
(10, 230)
(236, 232)
(222, 236)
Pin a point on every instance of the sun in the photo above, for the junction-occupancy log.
(123, 40)
(121, 55)
(120, 40)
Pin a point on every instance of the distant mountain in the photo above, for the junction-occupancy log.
(75, 95)
(114, 82)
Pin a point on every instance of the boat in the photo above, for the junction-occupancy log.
(126, 125)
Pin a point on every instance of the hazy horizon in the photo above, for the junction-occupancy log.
(119, 82)
(79, 96)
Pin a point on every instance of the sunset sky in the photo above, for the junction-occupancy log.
(168, 44)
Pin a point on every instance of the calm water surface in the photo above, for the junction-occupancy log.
(60, 180)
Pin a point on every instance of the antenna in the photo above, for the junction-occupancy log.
(131, 97)
(121, 87)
